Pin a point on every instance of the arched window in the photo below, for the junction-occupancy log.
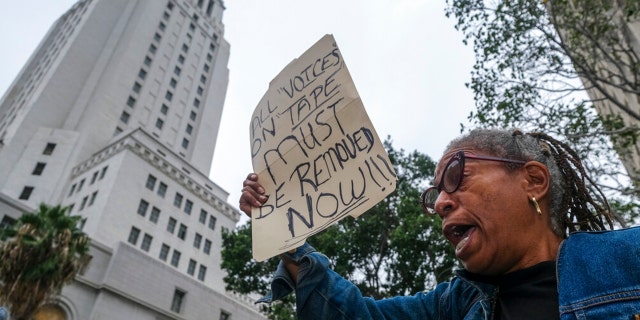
(50, 312)
(210, 8)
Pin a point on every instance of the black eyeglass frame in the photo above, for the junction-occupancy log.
(460, 156)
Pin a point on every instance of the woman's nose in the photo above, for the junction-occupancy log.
(445, 203)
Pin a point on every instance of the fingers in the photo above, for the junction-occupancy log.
(251, 184)
(253, 194)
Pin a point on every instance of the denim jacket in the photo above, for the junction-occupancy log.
(599, 275)
(598, 278)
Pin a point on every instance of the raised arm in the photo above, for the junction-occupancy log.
(253, 196)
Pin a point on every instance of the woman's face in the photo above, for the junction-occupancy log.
(489, 219)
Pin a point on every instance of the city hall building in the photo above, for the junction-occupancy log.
(116, 116)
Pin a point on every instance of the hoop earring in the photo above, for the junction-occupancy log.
(535, 204)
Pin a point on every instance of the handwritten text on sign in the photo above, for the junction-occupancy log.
(315, 151)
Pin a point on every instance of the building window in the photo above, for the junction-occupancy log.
(212, 222)
(103, 172)
(142, 74)
(147, 61)
(197, 240)
(185, 48)
(151, 182)
(188, 206)
(157, 37)
(166, 15)
(203, 216)
(209, 57)
(191, 270)
(131, 101)
(7, 222)
(189, 129)
(38, 169)
(171, 226)
(164, 109)
(185, 143)
(93, 198)
(207, 246)
(48, 150)
(133, 235)
(159, 123)
(155, 215)
(73, 188)
(49, 311)
(169, 95)
(26, 193)
(225, 315)
(181, 59)
(182, 232)
(146, 242)
(178, 300)
(193, 116)
(153, 48)
(142, 207)
(80, 185)
(199, 90)
(177, 201)
(94, 177)
(209, 8)
(124, 117)
(173, 82)
(84, 202)
(164, 252)
(202, 273)
(162, 26)
(175, 258)
(177, 71)
(136, 87)
(203, 79)
(117, 131)
(162, 189)
(196, 103)
(205, 68)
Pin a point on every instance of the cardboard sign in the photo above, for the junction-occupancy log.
(315, 151)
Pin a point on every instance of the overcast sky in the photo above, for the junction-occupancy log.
(405, 57)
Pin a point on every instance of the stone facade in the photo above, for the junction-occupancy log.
(116, 115)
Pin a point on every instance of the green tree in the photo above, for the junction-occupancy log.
(393, 249)
(39, 254)
(536, 61)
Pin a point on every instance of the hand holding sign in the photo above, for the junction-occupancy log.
(315, 151)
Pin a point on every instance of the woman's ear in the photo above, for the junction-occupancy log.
(537, 176)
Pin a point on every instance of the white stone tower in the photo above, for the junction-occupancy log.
(116, 115)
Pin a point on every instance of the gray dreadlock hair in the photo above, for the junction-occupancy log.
(576, 202)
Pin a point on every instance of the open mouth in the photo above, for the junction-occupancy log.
(458, 235)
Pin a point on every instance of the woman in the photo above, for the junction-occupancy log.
(508, 202)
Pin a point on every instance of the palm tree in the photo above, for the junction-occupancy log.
(39, 254)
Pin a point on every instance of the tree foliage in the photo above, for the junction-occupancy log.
(536, 61)
(393, 249)
(39, 254)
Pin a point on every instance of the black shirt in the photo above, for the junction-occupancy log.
(530, 293)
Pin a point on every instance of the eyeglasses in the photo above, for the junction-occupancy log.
(452, 177)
